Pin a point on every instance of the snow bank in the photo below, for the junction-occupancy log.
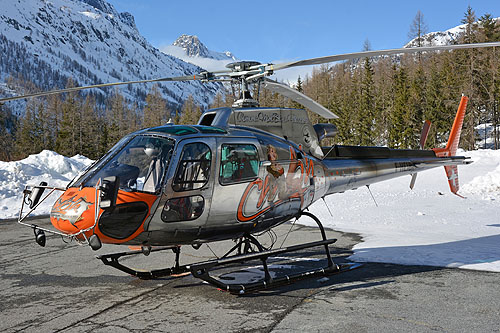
(55, 169)
(485, 185)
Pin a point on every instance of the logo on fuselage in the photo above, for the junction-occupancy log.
(277, 187)
(70, 209)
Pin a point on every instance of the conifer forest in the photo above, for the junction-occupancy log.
(379, 101)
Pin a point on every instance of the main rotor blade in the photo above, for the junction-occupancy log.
(59, 91)
(299, 97)
(367, 54)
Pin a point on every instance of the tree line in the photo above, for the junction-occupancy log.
(384, 101)
(73, 123)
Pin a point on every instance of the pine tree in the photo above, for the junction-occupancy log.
(116, 119)
(155, 112)
(54, 114)
(299, 88)
(418, 29)
(90, 134)
(7, 128)
(399, 122)
(366, 111)
(29, 138)
(436, 111)
(218, 101)
(66, 139)
(190, 113)
(416, 108)
(471, 76)
(343, 103)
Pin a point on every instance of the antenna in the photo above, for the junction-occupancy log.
(368, 187)
(327, 207)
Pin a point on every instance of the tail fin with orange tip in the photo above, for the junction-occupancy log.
(452, 145)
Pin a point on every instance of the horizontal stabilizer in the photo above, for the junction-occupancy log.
(456, 160)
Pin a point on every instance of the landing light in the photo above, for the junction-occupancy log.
(95, 242)
(39, 236)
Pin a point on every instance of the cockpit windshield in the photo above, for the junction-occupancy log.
(140, 164)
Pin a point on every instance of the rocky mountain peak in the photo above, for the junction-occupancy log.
(192, 46)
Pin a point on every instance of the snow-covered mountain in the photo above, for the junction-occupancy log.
(190, 49)
(194, 48)
(49, 41)
(441, 37)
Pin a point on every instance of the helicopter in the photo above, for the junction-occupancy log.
(239, 172)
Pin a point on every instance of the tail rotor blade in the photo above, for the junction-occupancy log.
(423, 139)
(425, 133)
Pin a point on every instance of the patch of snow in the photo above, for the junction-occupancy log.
(91, 15)
(48, 166)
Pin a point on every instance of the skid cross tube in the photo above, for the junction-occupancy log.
(201, 270)
(323, 235)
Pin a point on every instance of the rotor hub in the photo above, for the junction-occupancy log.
(241, 65)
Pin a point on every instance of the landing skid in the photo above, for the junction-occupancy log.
(248, 248)
(113, 261)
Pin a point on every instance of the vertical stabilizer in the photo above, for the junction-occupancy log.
(452, 145)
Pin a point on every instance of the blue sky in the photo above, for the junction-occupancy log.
(285, 30)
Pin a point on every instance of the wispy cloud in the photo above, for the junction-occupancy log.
(205, 63)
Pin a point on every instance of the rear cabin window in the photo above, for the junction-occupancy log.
(194, 167)
(239, 163)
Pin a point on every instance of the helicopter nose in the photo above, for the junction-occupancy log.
(74, 210)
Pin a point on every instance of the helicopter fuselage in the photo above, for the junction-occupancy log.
(194, 184)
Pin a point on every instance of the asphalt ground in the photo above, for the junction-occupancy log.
(64, 288)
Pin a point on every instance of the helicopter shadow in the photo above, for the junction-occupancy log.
(441, 256)
(481, 250)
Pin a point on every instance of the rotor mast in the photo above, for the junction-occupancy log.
(243, 72)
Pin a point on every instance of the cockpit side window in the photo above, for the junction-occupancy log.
(194, 167)
(239, 163)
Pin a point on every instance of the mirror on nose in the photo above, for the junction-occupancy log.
(36, 194)
(109, 192)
